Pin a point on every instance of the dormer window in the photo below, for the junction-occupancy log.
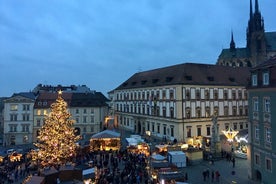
(254, 80)
(265, 78)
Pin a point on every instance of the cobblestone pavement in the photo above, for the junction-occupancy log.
(225, 168)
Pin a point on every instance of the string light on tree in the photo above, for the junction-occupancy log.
(57, 140)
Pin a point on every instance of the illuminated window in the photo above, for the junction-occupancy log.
(14, 107)
(38, 112)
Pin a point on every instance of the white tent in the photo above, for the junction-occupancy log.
(158, 157)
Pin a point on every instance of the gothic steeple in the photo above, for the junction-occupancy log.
(232, 43)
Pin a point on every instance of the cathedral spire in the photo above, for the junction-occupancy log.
(232, 43)
(251, 11)
(256, 6)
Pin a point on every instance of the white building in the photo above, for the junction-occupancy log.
(18, 119)
(178, 102)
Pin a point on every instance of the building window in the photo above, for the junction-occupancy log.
(266, 105)
(208, 130)
(158, 128)
(198, 112)
(164, 94)
(157, 95)
(257, 159)
(240, 94)
(226, 111)
(13, 128)
(152, 127)
(172, 112)
(240, 111)
(164, 130)
(14, 107)
(172, 131)
(77, 111)
(198, 94)
(84, 111)
(164, 111)
(207, 94)
(38, 121)
(257, 132)
(171, 95)
(189, 131)
(215, 94)
(26, 107)
(255, 104)
(268, 164)
(225, 94)
(241, 126)
(13, 117)
(268, 135)
(84, 119)
(234, 95)
(91, 119)
(207, 112)
(188, 113)
(157, 111)
(188, 95)
(198, 131)
(265, 78)
(235, 126)
(254, 80)
(25, 117)
(25, 128)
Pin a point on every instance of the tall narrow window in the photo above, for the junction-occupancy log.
(257, 132)
(268, 134)
(265, 78)
(266, 104)
(255, 104)
(254, 80)
(189, 131)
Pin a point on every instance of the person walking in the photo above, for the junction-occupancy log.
(233, 161)
(217, 176)
(213, 176)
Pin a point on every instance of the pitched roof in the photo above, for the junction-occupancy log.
(29, 95)
(189, 74)
(45, 99)
(237, 53)
(106, 134)
(95, 99)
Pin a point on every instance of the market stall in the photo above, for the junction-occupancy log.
(105, 140)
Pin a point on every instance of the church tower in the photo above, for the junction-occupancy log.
(256, 43)
(260, 45)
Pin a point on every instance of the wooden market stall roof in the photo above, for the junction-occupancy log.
(106, 134)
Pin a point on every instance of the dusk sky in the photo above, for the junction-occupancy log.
(101, 43)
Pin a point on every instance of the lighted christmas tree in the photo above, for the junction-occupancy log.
(57, 140)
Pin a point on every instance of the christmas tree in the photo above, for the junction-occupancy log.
(57, 140)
